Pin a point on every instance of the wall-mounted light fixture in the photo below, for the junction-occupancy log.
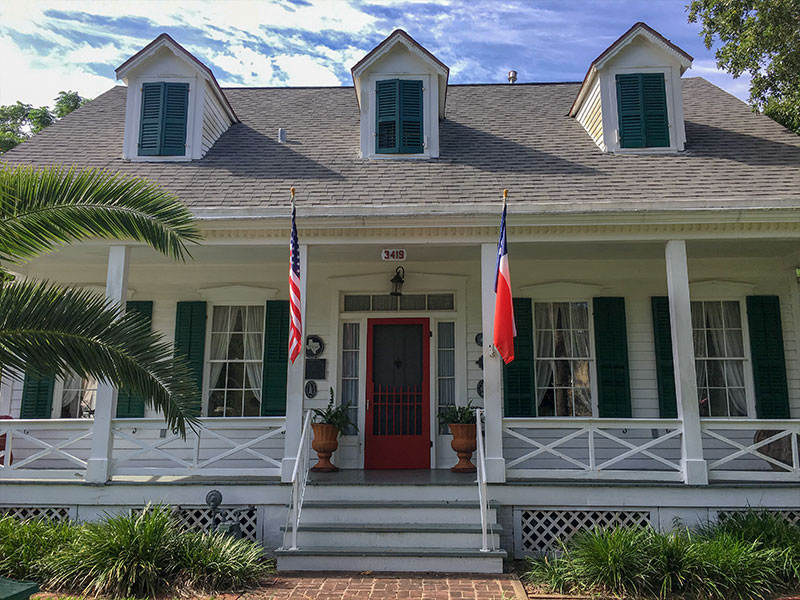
(398, 281)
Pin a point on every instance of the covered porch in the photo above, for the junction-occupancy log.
(566, 433)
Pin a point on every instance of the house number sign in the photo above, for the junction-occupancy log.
(395, 254)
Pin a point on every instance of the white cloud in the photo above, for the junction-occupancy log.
(707, 68)
(37, 80)
(304, 70)
(254, 68)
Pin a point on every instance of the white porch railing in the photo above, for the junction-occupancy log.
(45, 448)
(586, 448)
(302, 463)
(483, 489)
(763, 450)
(220, 447)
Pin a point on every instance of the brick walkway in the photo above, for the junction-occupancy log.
(341, 586)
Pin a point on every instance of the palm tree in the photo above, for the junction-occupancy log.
(54, 329)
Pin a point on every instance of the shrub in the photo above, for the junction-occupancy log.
(121, 556)
(214, 561)
(23, 544)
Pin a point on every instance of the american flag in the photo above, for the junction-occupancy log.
(295, 324)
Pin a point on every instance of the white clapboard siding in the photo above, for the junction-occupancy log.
(591, 117)
(215, 121)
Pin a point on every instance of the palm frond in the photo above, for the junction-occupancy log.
(43, 208)
(52, 329)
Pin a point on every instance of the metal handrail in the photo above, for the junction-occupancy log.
(483, 491)
(300, 477)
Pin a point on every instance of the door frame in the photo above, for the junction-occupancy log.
(426, 376)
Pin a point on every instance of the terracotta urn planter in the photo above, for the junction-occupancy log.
(325, 443)
(464, 443)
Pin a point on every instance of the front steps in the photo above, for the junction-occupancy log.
(392, 527)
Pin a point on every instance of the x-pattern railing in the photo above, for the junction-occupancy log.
(769, 437)
(189, 456)
(582, 439)
(28, 443)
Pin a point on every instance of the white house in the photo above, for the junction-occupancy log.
(653, 233)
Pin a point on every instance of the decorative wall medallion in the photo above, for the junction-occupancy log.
(315, 368)
(314, 346)
(311, 389)
(479, 362)
(479, 388)
(479, 339)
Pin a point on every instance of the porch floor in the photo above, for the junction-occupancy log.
(392, 477)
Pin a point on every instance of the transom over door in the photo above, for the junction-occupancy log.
(397, 432)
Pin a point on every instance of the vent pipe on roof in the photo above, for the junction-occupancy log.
(281, 135)
(512, 77)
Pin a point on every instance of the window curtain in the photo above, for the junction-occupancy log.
(219, 346)
(71, 397)
(253, 350)
(721, 343)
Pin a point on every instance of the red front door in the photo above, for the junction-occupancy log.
(398, 429)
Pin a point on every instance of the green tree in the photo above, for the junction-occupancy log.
(762, 38)
(13, 119)
(67, 102)
(53, 329)
(39, 118)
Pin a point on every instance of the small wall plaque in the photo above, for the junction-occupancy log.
(479, 339)
(480, 388)
(314, 346)
(311, 389)
(315, 368)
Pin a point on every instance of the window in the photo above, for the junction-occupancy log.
(162, 130)
(350, 358)
(235, 361)
(398, 112)
(642, 110)
(719, 358)
(562, 359)
(446, 367)
(78, 397)
(387, 302)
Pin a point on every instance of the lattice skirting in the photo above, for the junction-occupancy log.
(202, 519)
(23, 513)
(537, 531)
(791, 516)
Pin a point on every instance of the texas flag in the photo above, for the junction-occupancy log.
(504, 328)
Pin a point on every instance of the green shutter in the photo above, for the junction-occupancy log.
(518, 376)
(176, 105)
(276, 358)
(190, 340)
(150, 123)
(411, 139)
(766, 352)
(665, 370)
(611, 347)
(656, 123)
(387, 113)
(37, 396)
(629, 109)
(130, 405)
(642, 110)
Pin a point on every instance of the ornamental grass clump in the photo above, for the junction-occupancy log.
(120, 556)
(746, 557)
(25, 543)
(215, 561)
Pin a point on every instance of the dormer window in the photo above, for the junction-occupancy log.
(630, 100)
(162, 130)
(642, 109)
(175, 110)
(399, 127)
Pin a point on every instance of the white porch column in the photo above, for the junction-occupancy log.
(97, 468)
(492, 371)
(295, 381)
(695, 471)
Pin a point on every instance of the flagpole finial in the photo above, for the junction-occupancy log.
(505, 194)
(291, 191)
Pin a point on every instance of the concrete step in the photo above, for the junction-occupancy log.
(392, 535)
(389, 511)
(398, 492)
(417, 560)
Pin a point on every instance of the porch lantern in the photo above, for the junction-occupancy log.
(397, 282)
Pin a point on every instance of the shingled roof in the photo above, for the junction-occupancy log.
(495, 136)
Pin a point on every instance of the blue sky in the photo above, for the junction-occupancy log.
(47, 46)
